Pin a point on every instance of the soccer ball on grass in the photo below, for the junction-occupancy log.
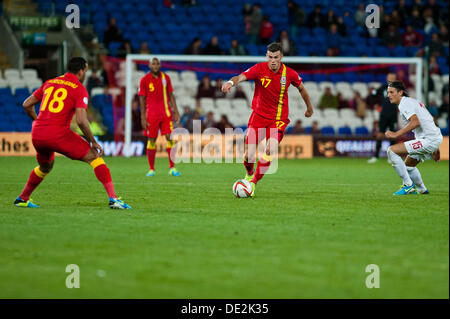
(242, 188)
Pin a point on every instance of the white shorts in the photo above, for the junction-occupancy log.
(423, 148)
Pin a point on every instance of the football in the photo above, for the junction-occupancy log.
(242, 188)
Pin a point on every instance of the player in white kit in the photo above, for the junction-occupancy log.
(428, 138)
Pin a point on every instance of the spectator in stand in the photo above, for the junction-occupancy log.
(330, 52)
(348, 19)
(435, 10)
(94, 81)
(316, 18)
(187, 116)
(247, 10)
(212, 48)
(112, 33)
(417, 5)
(342, 28)
(209, 120)
(298, 128)
(218, 94)
(432, 107)
(360, 16)
(255, 24)
(391, 38)
(125, 49)
(443, 109)
(144, 48)
(342, 103)
(315, 130)
(328, 100)
(403, 11)
(266, 32)
(396, 20)
(412, 38)
(334, 38)
(136, 116)
(205, 89)
(416, 20)
(443, 35)
(237, 48)
(330, 19)
(359, 105)
(436, 47)
(223, 124)
(195, 47)
(402, 76)
(433, 67)
(239, 93)
(373, 99)
(375, 130)
(190, 124)
(429, 26)
(287, 44)
(296, 18)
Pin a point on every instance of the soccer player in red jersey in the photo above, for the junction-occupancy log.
(158, 110)
(270, 108)
(62, 97)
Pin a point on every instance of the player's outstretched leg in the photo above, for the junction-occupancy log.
(172, 170)
(104, 176)
(261, 168)
(36, 177)
(151, 154)
(394, 153)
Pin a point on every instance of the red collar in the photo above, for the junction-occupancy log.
(280, 70)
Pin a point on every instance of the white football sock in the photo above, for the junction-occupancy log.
(414, 173)
(400, 167)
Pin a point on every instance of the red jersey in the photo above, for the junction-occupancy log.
(156, 90)
(270, 99)
(59, 98)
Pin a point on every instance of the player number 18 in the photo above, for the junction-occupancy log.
(58, 98)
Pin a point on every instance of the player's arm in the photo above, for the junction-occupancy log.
(143, 114)
(84, 126)
(173, 104)
(29, 104)
(235, 80)
(412, 124)
(305, 96)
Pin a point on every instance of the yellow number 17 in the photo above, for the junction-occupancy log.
(265, 82)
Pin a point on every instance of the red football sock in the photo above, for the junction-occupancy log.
(261, 168)
(36, 177)
(249, 167)
(171, 163)
(151, 154)
(104, 176)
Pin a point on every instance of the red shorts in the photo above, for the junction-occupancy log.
(260, 127)
(65, 142)
(156, 124)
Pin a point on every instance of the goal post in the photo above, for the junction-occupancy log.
(132, 58)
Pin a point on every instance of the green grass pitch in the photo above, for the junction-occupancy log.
(310, 232)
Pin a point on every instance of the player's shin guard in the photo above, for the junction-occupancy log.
(36, 177)
(104, 176)
(151, 154)
(400, 167)
(262, 167)
(415, 176)
(170, 145)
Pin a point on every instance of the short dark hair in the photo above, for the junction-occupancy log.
(76, 64)
(399, 86)
(274, 47)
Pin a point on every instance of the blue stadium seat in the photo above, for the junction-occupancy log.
(327, 130)
(361, 130)
(344, 130)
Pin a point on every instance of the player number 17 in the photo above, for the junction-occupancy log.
(265, 82)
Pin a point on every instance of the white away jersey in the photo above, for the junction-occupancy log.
(427, 129)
